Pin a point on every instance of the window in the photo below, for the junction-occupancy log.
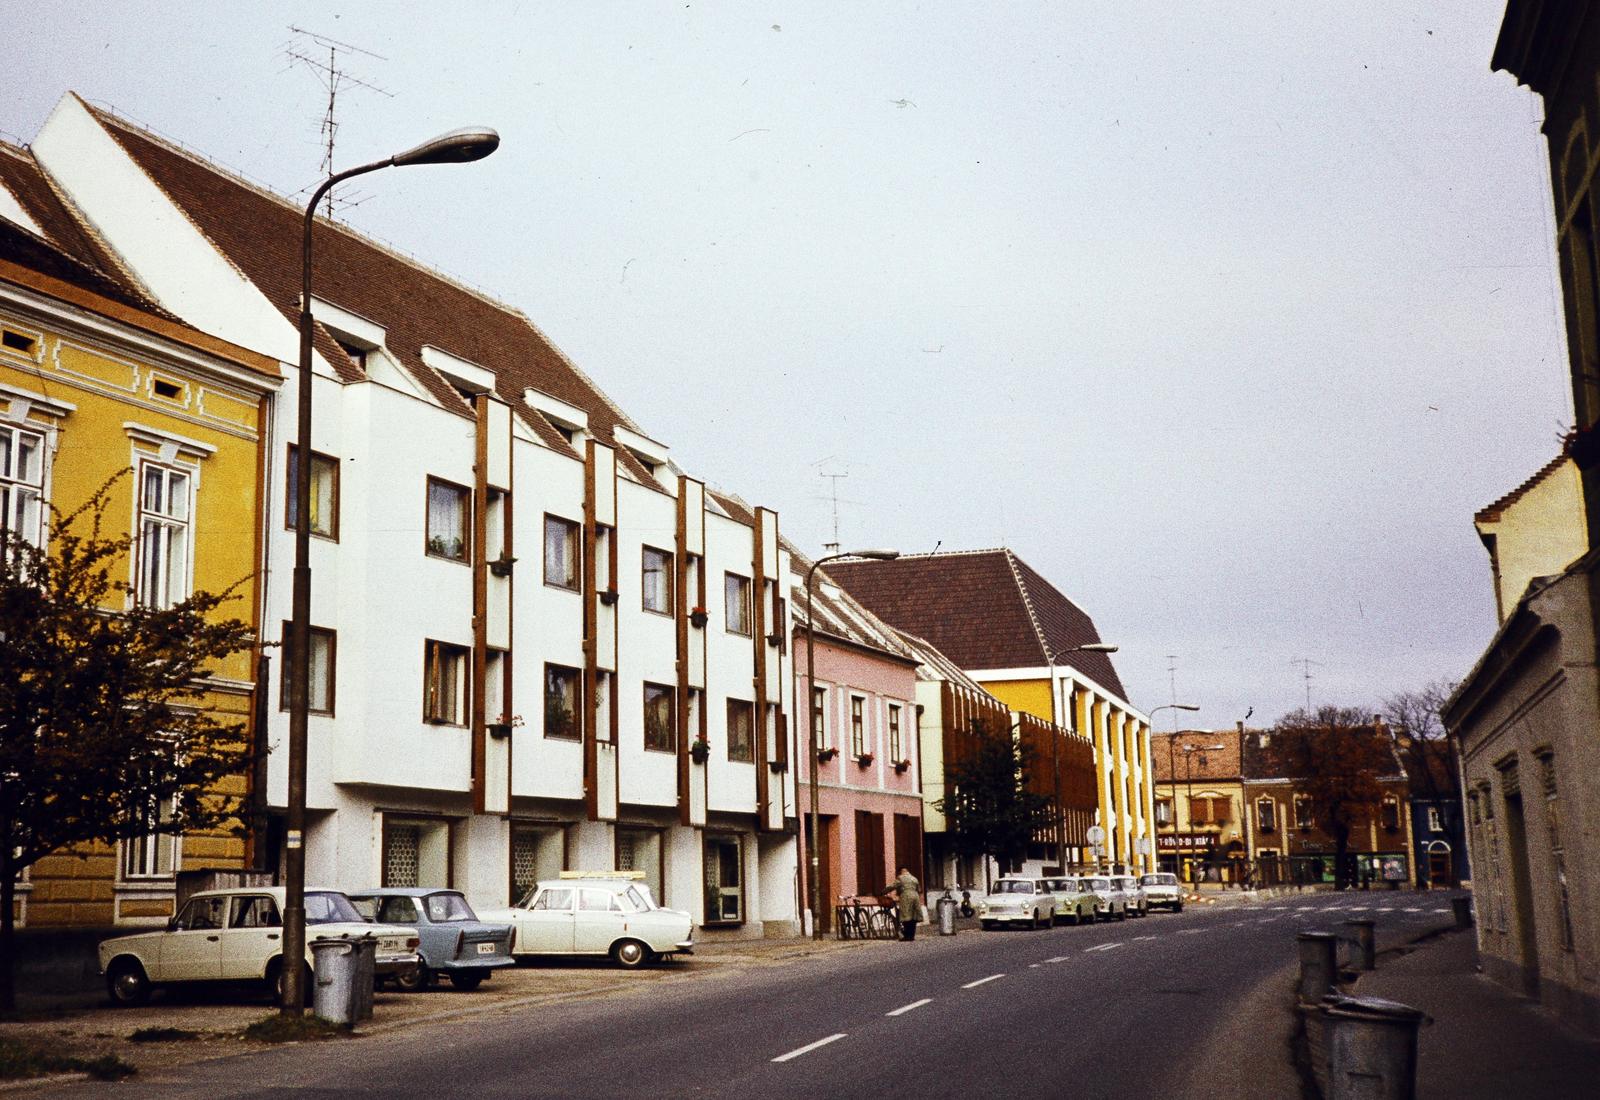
(324, 494)
(656, 581)
(163, 553)
(858, 726)
(448, 506)
(21, 483)
(1390, 812)
(819, 716)
(741, 722)
(151, 854)
(557, 899)
(319, 696)
(1221, 810)
(258, 911)
(605, 727)
(1200, 811)
(895, 753)
(416, 852)
(1435, 820)
(537, 852)
(1163, 811)
(598, 901)
(1266, 815)
(736, 599)
(660, 719)
(16, 341)
(1302, 812)
(445, 683)
(201, 915)
(560, 552)
(724, 881)
(561, 703)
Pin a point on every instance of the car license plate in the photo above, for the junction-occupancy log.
(486, 949)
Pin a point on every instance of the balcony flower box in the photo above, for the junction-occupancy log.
(697, 616)
(608, 596)
(825, 755)
(900, 766)
(864, 760)
(699, 750)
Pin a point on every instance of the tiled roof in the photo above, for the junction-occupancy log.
(933, 665)
(837, 612)
(259, 233)
(1204, 758)
(986, 609)
(1268, 762)
(67, 250)
(1492, 512)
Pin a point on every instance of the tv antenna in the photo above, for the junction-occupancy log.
(833, 480)
(321, 55)
(1305, 664)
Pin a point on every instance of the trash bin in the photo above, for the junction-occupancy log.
(947, 915)
(1372, 1048)
(343, 967)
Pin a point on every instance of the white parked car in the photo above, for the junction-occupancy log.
(1134, 901)
(1161, 890)
(1110, 901)
(595, 916)
(1017, 900)
(237, 935)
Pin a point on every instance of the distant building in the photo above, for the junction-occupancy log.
(1437, 823)
(1534, 530)
(1019, 637)
(1200, 816)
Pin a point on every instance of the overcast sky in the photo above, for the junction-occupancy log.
(1225, 317)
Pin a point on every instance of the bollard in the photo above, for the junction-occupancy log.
(1318, 965)
(1364, 957)
(1372, 1049)
(947, 915)
(1463, 911)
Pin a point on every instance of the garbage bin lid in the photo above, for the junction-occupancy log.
(1371, 1008)
(1313, 936)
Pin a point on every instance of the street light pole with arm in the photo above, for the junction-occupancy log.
(1172, 768)
(455, 147)
(813, 862)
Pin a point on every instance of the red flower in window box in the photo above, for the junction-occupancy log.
(699, 750)
(825, 755)
(697, 616)
(900, 766)
(865, 760)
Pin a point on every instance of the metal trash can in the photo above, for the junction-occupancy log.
(343, 969)
(1462, 908)
(1372, 1048)
(947, 915)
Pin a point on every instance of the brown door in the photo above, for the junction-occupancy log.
(870, 877)
(1522, 894)
(908, 845)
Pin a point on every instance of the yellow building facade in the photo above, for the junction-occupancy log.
(93, 385)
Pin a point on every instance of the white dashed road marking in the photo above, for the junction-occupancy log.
(1104, 947)
(1412, 909)
(981, 981)
(809, 1047)
(1192, 931)
(1144, 938)
(1057, 959)
(903, 1009)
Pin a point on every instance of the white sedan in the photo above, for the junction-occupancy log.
(595, 916)
(1015, 900)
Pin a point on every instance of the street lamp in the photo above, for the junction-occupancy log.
(1172, 766)
(1188, 769)
(813, 888)
(455, 147)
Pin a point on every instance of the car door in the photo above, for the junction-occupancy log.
(597, 923)
(545, 927)
(192, 950)
(254, 935)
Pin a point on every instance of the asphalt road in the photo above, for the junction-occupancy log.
(1123, 1009)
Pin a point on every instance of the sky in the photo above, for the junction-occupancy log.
(1224, 317)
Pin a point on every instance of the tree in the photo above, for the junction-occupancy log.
(103, 731)
(1426, 748)
(990, 810)
(1336, 756)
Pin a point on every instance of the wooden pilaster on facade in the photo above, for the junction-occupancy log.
(491, 604)
(758, 629)
(600, 632)
(480, 596)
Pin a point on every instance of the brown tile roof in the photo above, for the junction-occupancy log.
(986, 609)
(67, 250)
(259, 233)
(1268, 762)
(838, 613)
(1170, 759)
(934, 665)
(1492, 512)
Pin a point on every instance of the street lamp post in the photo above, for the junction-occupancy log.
(455, 147)
(1172, 766)
(813, 887)
(1188, 769)
(1055, 753)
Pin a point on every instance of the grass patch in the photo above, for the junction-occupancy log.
(164, 1035)
(18, 1060)
(293, 1029)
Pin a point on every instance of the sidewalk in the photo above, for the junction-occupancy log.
(1484, 1041)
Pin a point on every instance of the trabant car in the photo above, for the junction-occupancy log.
(1109, 901)
(1074, 902)
(455, 943)
(1161, 889)
(1017, 900)
(237, 935)
(1137, 905)
(595, 916)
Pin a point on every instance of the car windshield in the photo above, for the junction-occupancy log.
(1014, 886)
(447, 907)
(325, 908)
(1159, 880)
(1097, 883)
(639, 899)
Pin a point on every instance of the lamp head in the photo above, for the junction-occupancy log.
(875, 555)
(456, 147)
(1095, 647)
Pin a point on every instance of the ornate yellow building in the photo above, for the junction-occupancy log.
(95, 381)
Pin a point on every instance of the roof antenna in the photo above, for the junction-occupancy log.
(307, 50)
(935, 549)
(834, 479)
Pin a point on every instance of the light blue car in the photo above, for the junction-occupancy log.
(455, 942)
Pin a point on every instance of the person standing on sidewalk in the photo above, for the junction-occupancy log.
(908, 894)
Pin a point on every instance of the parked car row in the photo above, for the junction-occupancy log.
(423, 934)
(1076, 899)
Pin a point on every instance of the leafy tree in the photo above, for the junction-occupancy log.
(102, 731)
(989, 808)
(1336, 756)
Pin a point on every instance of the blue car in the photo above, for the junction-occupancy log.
(454, 941)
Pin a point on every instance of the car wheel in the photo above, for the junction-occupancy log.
(1178, 908)
(411, 981)
(467, 979)
(127, 984)
(1123, 915)
(630, 954)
